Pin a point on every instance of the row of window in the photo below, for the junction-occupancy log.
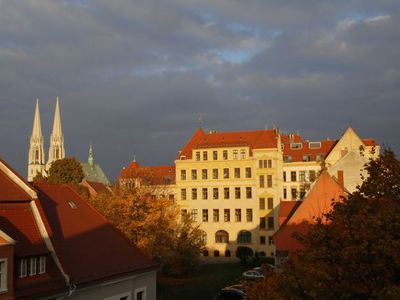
(293, 193)
(298, 146)
(234, 153)
(243, 237)
(228, 253)
(216, 215)
(215, 193)
(302, 176)
(306, 157)
(3, 275)
(215, 173)
(32, 266)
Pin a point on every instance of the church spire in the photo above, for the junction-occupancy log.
(91, 156)
(56, 150)
(36, 148)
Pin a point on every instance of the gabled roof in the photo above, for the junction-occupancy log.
(298, 154)
(286, 210)
(255, 139)
(94, 173)
(88, 246)
(97, 187)
(154, 174)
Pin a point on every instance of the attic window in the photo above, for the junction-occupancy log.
(183, 157)
(296, 145)
(72, 204)
(287, 158)
(306, 158)
(314, 145)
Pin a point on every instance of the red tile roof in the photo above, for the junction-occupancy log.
(255, 139)
(286, 210)
(369, 142)
(10, 191)
(155, 174)
(97, 187)
(88, 246)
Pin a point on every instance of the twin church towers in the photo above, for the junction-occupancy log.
(36, 157)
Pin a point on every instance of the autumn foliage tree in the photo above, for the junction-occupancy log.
(356, 254)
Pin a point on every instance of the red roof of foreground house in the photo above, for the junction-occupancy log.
(286, 210)
(255, 139)
(10, 191)
(88, 246)
(317, 202)
(154, 174)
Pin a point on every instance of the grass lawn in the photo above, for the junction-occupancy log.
(204, 285)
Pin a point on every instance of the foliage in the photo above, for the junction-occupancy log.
(151, 222)
(244, 253)
(356, 254)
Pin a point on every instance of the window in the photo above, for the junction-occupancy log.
(270, 240)
(262, 223)
(221, 237)
(171, 197)
(215, 155)
(319, 157)
(42, 264)
(205, 215)
(227, 253)
(238, 215)
(23, 267)
(205, 193)
(302, 193)
(260, 164)
(296, 145)
(302, 176)
(306, 157)
(287, 158)
(194, 174)
(127, 296)
(311, 176)
(226, 173)
(183, 174)
(242, 153)
(193, 215)
(248, 172)
(32, 266)
(314, 145)
(183, 214)
(269, 181)
(293, 176)
(294, 193)
(270, 222)
(205, 253)
(237, 172)
(237, 192)
(244, 237)
(215, 193)
(262, 181)
(267, 163)
(216, 253)
(284, 176)
(235, 154)
(3, 275)
(183, 194)
(248, 193)
(262, 203)
(270, 203)
(198, 155)
(140, 294)
(249, 215)
(226, 193)
(204, 174)
(225, 154)
(262, 240)
(285, 193)
(194, 194)
(227, 215)
(215, 215)
(203, 236)
(215, 173)
(205, 155)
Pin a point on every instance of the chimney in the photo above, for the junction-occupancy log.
(340, 178)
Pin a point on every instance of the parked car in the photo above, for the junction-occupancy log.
(253, 275)
(233, 292)
(275, 269)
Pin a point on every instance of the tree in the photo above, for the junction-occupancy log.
(356, 253)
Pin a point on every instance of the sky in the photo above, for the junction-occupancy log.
(136, 78)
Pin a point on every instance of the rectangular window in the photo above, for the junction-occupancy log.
(183, 174)
(262, 181)
(194, 174)
(215, 193)
(269, 163)
(42, 264)
(194, 194)
(248, 172)
(197, 155)
(284, 176)
(32, 266)
(293, 176)
(294, 193)
(183, 214)
(270, 240)
(237, 172)
(183, 194)
(287, 158)
(215, 155)
(302, 176)
(260, 164)
(270, 203)
(249, 215)
(3, 275)
(226, 173)
(319, 157)
(269, 181)
(306, 157)
(235, 154)
(205, 215)
(193, 214)
(262, 240)
(242, 153)
(262, 203)
(237, 192)
(302, 193)
(215, 173)
(262, 223)
(311, 176)
(238, 215)
(23, 267)
(314, 145)
(205, 193)
(140, 294)
(204, 174)
(226, 193)
(215, 215)
(285, 193)
(227, 215)
(225, 154)
(205, 155)
(248, 193)
(270, 222)
(296, 145)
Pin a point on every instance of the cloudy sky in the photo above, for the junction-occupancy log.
(134, 77)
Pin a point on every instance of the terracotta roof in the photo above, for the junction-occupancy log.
(98, 187)
(88, 246)
(255, 139)
(369, 142)
(154, 174)
(286, 210)
(298, 154)
(10, 191)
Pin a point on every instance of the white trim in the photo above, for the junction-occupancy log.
(42, 264)
(4, 275)
(139, 290)
(17, 180)
(7, 237)
(23, 268)
(32, 266)
(119, 296)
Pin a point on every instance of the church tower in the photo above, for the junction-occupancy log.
(56, 150)
(36, 157)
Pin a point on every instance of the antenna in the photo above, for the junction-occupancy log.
(200, 121)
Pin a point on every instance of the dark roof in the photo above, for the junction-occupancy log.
(153, 174)
(93, 172)
(98, 187)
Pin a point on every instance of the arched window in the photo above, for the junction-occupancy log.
(221, 237)
(244, 237)
(36, 156)
(262, 253)
(205, 253)
(216, 253)
(227, 253)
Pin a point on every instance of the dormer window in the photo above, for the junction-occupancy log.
(306, 157)
(314, 145)
(296, 146)
(287, 158)
(183, 157)
(320, 157)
